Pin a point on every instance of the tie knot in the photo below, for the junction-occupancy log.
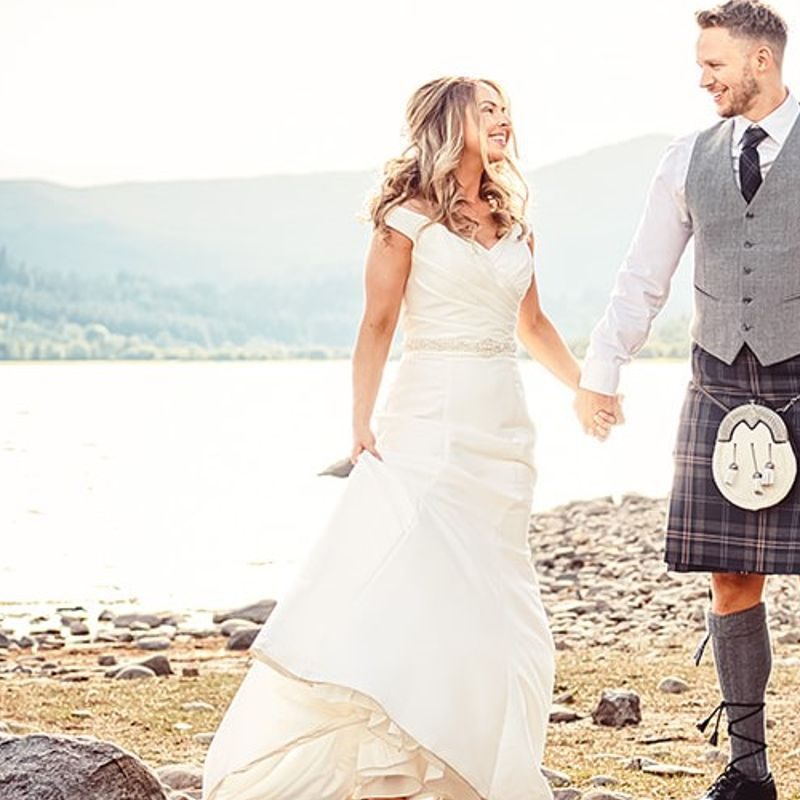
(753, 137)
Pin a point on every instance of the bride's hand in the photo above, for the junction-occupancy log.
(363, 439)
(598, 413)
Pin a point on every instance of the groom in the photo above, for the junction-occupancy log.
(736, 188)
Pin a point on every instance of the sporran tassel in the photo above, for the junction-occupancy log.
(733, 470)
(758, 478)
(768, 470)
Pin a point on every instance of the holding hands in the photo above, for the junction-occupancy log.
(598, 413)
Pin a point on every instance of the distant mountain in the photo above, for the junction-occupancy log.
(285, 248)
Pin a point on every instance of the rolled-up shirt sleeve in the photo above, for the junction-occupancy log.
(643, 282)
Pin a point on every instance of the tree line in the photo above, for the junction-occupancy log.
(52, 315)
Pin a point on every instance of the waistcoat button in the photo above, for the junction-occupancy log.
(748, 244)
(747, 300)
(749, 215)
(746, 327)
(747, 270)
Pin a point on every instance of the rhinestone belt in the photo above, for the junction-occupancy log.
(458, 344)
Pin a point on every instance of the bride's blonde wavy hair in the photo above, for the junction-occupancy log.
(426, 170)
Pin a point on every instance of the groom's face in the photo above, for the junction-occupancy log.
(726, 71)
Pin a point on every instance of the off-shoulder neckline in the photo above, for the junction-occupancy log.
(452, 233)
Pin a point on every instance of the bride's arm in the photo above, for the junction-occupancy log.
(541, 339)
(386, 273)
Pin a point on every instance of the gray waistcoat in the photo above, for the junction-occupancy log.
(747, 257)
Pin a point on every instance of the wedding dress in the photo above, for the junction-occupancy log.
(412, 656)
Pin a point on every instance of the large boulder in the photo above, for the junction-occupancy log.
(69, 768)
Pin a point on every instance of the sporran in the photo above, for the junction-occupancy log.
(754, 464)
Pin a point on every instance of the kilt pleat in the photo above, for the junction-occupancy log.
(705, 532)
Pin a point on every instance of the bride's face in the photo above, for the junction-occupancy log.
(493, 125)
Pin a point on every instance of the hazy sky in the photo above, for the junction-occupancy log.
(96, 91)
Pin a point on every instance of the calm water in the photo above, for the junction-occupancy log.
(193, 485)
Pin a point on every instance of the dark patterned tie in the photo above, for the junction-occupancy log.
(749, 163)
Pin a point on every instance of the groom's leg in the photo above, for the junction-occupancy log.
(743, 657)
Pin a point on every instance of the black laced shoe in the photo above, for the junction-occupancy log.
(735, 785)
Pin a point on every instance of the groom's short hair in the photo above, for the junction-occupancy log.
(748, 19)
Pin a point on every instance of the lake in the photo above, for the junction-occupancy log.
(192, 485)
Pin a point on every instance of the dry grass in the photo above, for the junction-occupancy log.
(583, 749)
(141, 715)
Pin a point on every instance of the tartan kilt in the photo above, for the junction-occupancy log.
(705, 532)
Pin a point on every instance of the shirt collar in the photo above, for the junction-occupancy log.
(778, 124)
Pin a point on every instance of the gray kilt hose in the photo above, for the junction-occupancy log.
(705, 532)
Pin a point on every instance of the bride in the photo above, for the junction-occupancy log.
(412, 657)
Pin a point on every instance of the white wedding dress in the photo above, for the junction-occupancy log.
(412, 657)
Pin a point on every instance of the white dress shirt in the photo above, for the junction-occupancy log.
(643, 282)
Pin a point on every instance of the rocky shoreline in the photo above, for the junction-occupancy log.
(604, 581)
(608, 596)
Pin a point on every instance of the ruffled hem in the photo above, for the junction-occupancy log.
(349, 749)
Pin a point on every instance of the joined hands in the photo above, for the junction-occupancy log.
(598, 413)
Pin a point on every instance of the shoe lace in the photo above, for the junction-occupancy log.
(728, 780)
(755, 708)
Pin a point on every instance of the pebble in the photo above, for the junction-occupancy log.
(127, 620)
(81, 713)
(190, 672)
(601, 795)
(603, 780)
(133, 672)
(618, 708)
(242, 639)
(673, 686)
(181, 776)
(182, 726)
(559, 715)
(68, 616)
(197, 705)
(567, 794)
(556, 779)
(256, 612)
(670, 769)
(203, 738)
(79, 628)
(230, 626)
(159, 664)
(154, 643)
(639, 763)
(106, 660)
(76, 677)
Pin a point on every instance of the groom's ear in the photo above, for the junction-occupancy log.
(763, 58)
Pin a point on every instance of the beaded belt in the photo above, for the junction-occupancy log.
(459, 344)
